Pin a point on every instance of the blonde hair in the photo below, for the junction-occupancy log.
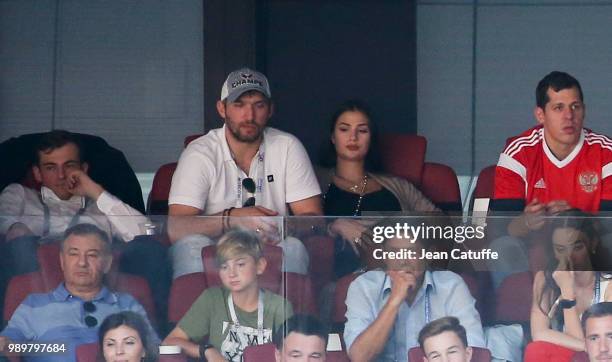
(238, 242)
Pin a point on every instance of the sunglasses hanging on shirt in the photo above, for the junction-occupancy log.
(90, 321)
(249, 186)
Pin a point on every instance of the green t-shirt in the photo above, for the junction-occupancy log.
(209, 316)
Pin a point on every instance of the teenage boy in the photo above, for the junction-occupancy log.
(234, 316)
(445, 340)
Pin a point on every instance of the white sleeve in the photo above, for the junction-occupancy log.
(12, 205)
(191, 180)
(126, 221)
(301, 180)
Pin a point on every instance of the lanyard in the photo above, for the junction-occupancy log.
(597, 287)
(260, 313)
(73, 221)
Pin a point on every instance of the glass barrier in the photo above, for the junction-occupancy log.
(183, 272)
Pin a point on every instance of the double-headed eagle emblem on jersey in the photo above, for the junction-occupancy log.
(588, 181)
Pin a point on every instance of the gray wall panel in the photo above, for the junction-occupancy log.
(26, 66)
(516, 45)
(444, 68)
(130, 72)
(511, 62)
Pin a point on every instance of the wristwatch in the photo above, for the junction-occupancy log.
(567, 303)
(203, 348)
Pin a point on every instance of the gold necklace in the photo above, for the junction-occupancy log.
(364, 183)
(355, 187)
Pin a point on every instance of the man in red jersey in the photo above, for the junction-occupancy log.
(553, 167)
(556, 165)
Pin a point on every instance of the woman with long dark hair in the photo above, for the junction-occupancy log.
(571, 282)
(354, 185)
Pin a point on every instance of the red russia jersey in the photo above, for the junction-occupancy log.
(527, 169)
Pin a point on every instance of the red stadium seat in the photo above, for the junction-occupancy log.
(299, 291)
(259, 353)
(157, 203)
(580, 357)
(87, 352)
(183, 292)
(440, 185)
(400, 148)
(514, 297)
(415, 354)
(403, 155)
(19, 287)
(190, 138)
(339, 307)
(337, 356)
(485, 184)
(321, 251)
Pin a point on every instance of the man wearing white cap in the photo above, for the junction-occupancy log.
(245, 173)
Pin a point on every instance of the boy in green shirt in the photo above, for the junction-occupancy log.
(236, 315)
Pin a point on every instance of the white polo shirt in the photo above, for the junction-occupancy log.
(207, 177)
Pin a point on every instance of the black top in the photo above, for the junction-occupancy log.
(343, 203)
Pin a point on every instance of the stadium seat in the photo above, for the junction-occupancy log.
(337, 356)
(580, 357)
(299, 291)
(339, 307)
(87, 352)
(479, 354)
(403, 155)
(157, 202)
(259, 353)
(190, 138)
(19, 287)
(485, 184)
(183, 292)
(440, 185)
(514, 297)
(398, 148)
(321, 251)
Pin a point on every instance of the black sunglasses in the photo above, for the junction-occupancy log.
(249, 186)
(90, 321)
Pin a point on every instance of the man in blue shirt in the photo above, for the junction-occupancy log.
(71, 314)
(387, 309)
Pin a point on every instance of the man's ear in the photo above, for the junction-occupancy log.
(277, 355)
(36, 173)
(468, 351)
(271, 109)
(85, 167)
(61, 256)
(107, 263)
(539, 114)
(221, 109)
(262, 263)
